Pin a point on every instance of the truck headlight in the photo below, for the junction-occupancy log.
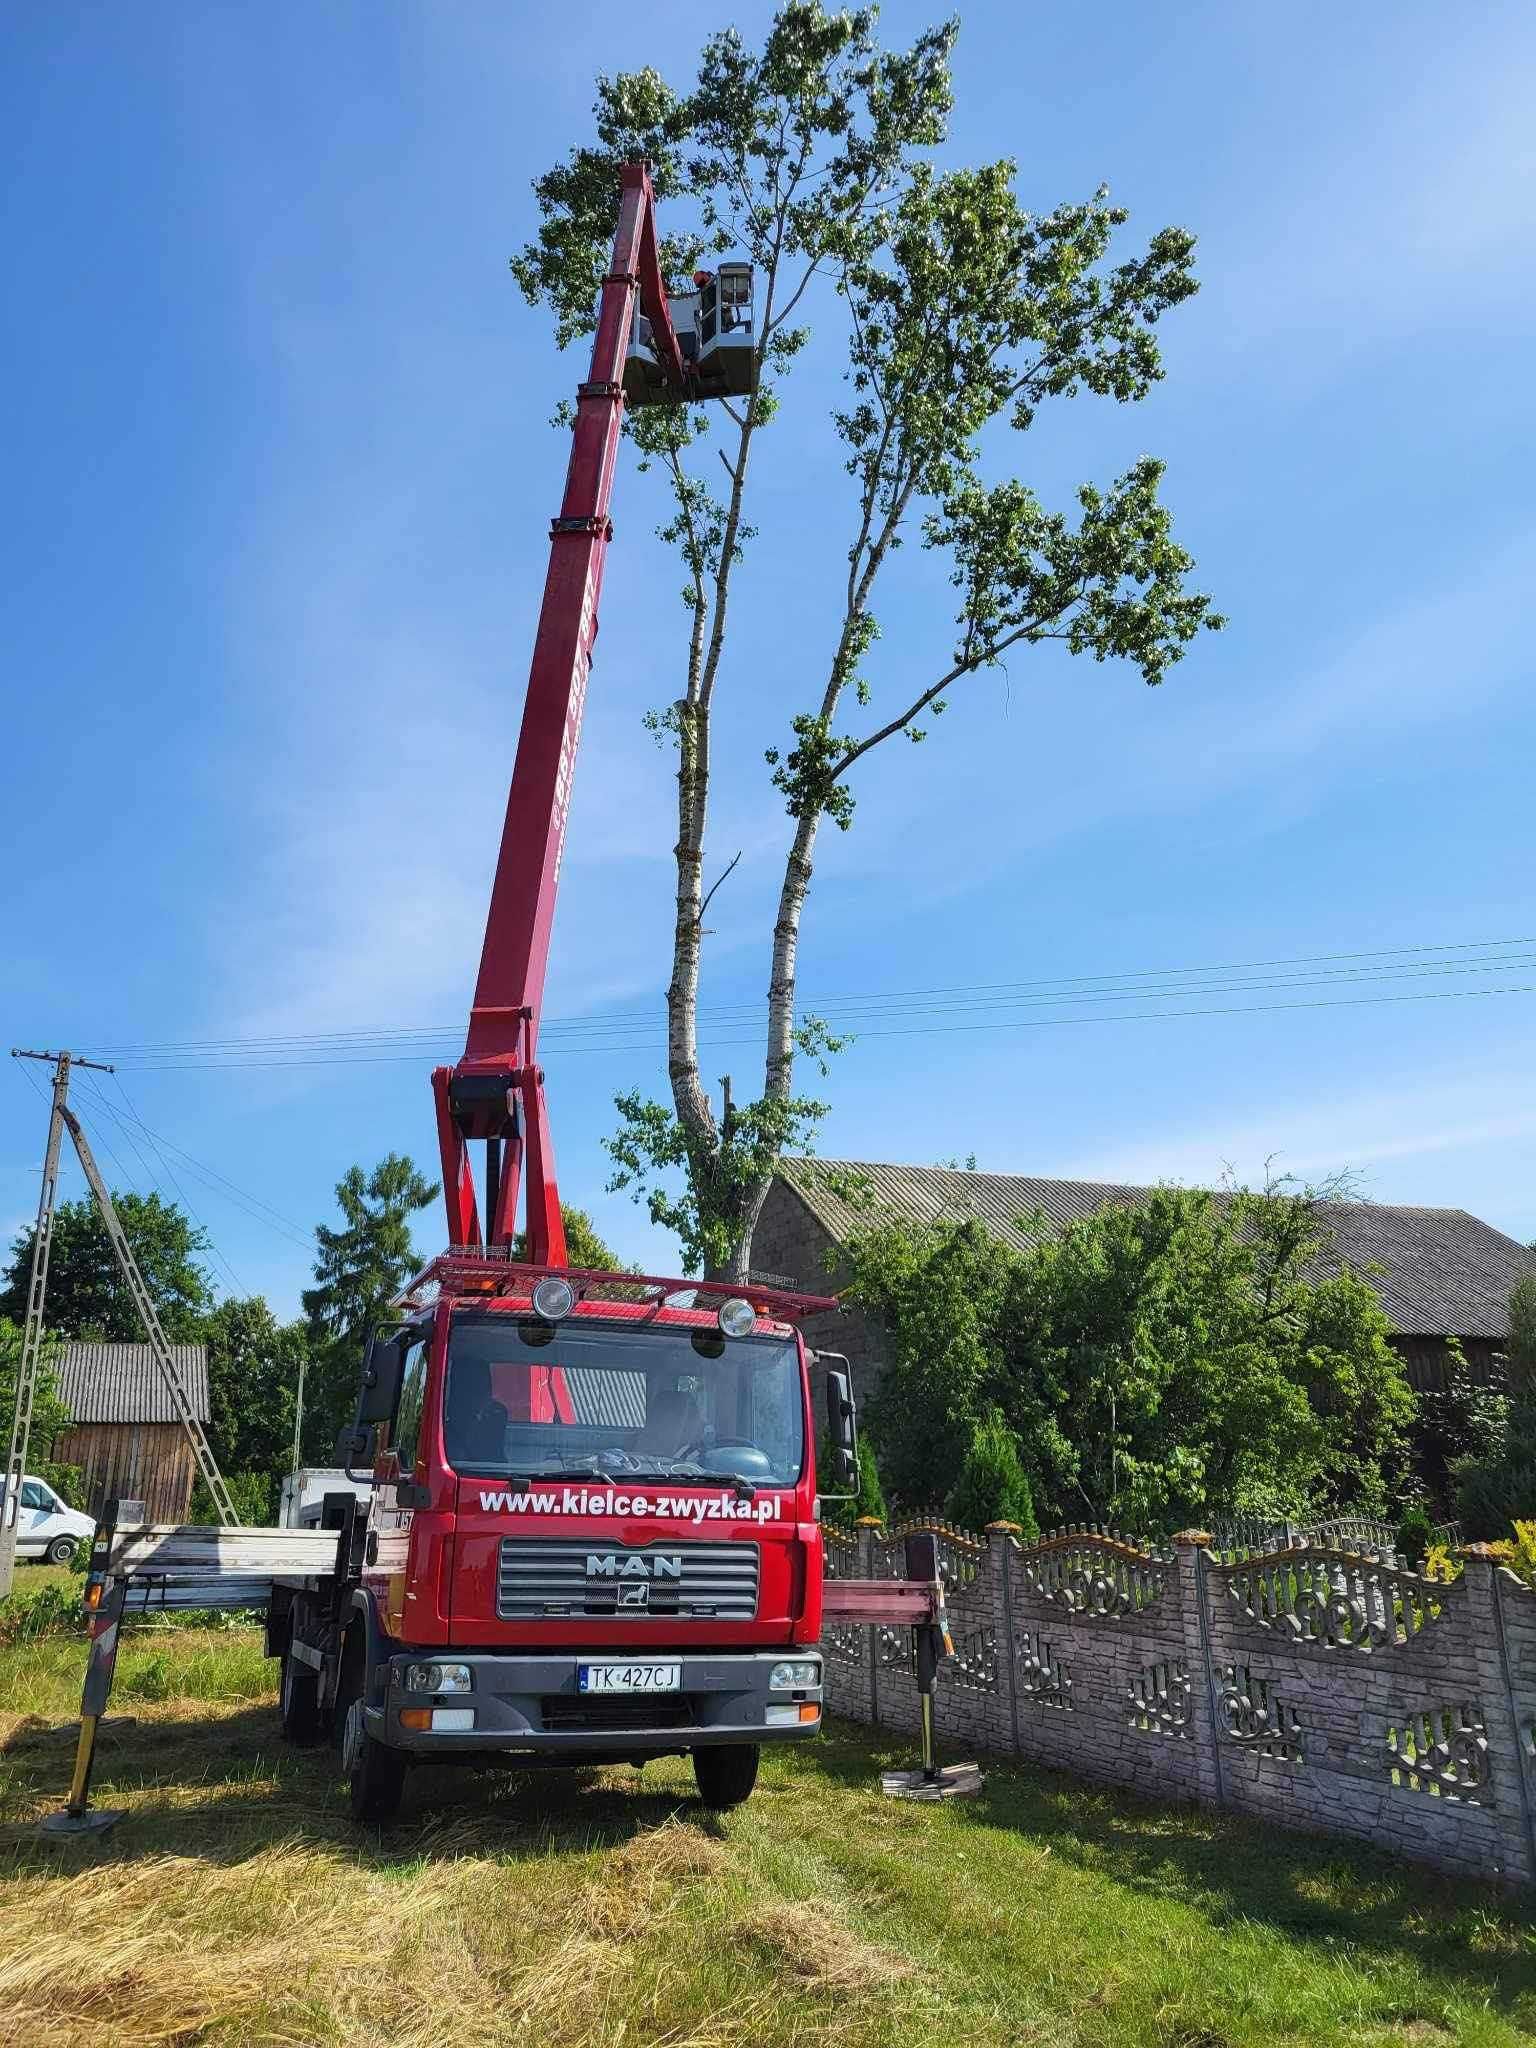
(795, 1674)
(437, 1678)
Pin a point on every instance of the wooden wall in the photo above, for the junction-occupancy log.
(147, 1461)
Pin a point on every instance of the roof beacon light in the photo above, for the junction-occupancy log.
(737, 1318)
(553, 1298)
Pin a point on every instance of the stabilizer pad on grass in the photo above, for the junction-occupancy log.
(955, 1781)
(94, 1821)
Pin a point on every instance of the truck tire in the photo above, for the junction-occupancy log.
(298, 1702)
(62, 1550)
(375, 1774)
(726, 1775)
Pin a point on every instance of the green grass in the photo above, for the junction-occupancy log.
(236, 1903)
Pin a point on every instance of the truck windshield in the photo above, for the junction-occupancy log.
(533, 1398)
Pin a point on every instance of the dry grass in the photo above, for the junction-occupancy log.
(236, 1904)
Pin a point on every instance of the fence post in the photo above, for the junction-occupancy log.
(1189, 1548)
(868, 1528)
(1511, 1792)
(1002, 1542)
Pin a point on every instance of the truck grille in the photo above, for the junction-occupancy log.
(542, 1580)
(563, 1713)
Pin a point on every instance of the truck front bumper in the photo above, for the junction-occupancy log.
(532, 1706)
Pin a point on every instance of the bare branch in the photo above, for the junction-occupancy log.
(704, 906)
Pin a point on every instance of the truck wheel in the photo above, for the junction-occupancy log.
(62, 1550)
(375, 1774)
(298, 1702)
(725, 1776)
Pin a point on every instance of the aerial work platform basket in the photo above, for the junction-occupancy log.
(715, 333)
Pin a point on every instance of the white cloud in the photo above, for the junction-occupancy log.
(1415, 1117)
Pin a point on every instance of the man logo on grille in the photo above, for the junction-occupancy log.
(610, 1564)
(635, 1596)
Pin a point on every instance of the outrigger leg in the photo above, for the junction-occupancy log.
(105, 1595)
(931, 1644)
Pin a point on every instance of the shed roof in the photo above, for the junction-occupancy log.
(1444, 1273)
(122, 1383)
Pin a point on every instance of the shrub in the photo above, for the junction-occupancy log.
(992, 1486)
(1413, 1535)
(868, 1502)
(254, 1494)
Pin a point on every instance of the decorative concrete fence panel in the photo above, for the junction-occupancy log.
(1315, 1686)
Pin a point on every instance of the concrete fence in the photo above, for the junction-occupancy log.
(1316, 1686)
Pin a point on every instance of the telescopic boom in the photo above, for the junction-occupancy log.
(496, 1092)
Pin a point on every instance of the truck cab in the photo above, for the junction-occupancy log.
(592, 1536)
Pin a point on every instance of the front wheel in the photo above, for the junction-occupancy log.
(725, 1776)
(62, 1550)
(375, 1774)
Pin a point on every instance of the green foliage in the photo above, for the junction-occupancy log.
(868, 1502)
(50, 1416)
(41, 1604)
(254, 1363)
(583, 1246)
(1496, 1483)
(86, 1294)
(695, 1189)
(255, 1495)
(958, 311)
(1465, 1420)
(992, 1486)
(359, 1272)
(1156, 1364)
(1414, 1535)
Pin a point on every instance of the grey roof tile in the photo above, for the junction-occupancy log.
(1445, 1273)
(122, 1383)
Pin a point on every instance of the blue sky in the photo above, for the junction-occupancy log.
(279, 474)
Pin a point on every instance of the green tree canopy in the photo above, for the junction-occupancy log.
(359, 1272)
(86, 1294)
(583, 1246)
(951, 310)
(254, 1363)
(1182, 1358)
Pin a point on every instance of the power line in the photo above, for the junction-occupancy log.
(362, 1059)
(186, 1201)
(252, 1205)
(1105, 987)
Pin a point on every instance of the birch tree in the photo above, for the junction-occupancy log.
(961, 312)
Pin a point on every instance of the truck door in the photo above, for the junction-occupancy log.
(392, 1520)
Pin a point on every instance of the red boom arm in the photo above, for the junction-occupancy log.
(496, 1092)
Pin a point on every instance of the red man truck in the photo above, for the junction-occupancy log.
(592, 1535)
(592, 1528)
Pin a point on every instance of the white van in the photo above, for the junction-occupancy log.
(45, 1527)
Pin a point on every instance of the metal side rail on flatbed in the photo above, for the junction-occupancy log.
(171, 1565)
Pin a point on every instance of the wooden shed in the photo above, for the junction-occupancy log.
(125, 1436)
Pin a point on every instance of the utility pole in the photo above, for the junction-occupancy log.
(32, 1327)
(63, 1118)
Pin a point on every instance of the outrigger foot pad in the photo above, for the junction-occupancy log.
(94, 1821)
(954, 1781)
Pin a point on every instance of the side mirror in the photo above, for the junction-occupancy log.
(355, 1446)
(383, 1368)
(842, 1429)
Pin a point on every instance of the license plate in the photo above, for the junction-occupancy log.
(629, 1677)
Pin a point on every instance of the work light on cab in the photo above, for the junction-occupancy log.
(553, 1298)
(737, 1318)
